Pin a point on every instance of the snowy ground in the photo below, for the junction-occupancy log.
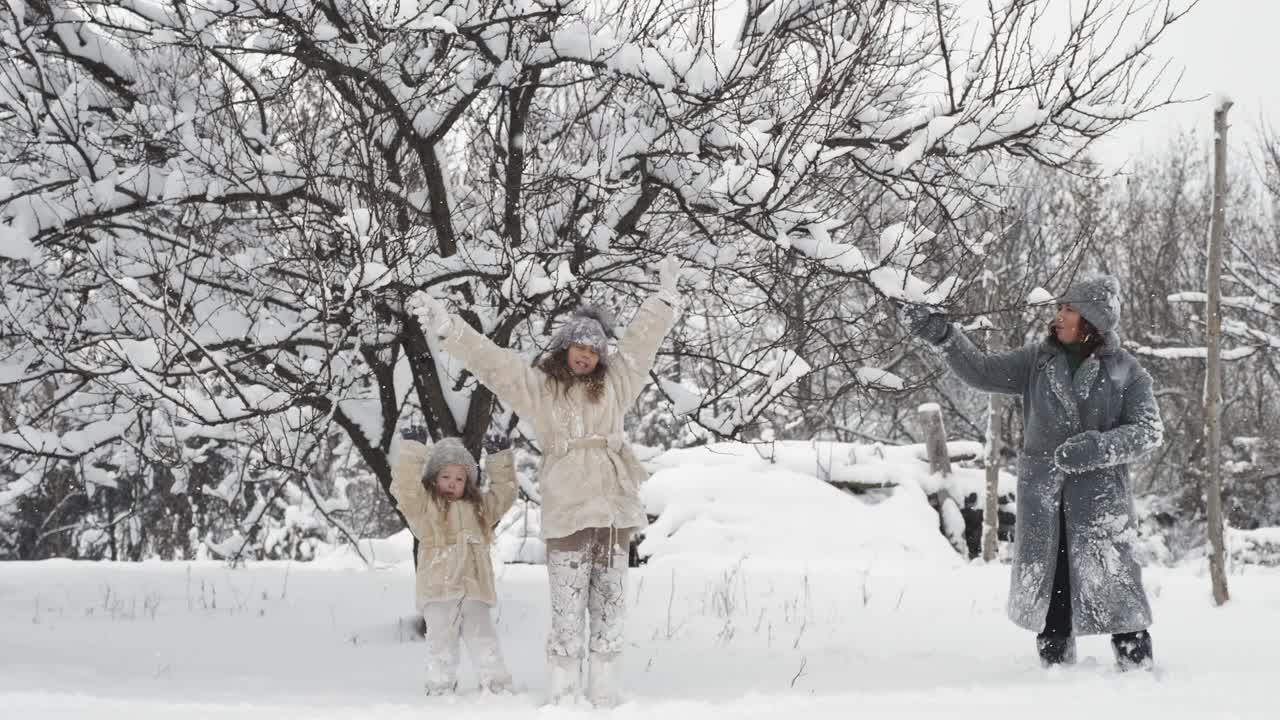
(770, 594)
(292, 641)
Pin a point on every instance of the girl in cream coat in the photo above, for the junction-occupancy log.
(576, 398)
(438, 493)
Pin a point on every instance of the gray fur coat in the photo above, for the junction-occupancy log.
(1080, 434)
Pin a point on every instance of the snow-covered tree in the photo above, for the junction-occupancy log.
(212, 213)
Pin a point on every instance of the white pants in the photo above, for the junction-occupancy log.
(587, 573)
(467, 621)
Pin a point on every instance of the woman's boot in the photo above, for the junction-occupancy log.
(1133, 650)
(1056, 649)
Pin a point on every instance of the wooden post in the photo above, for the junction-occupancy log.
(991, 513)
(935, 438)
(1213, 368)
(935, 442)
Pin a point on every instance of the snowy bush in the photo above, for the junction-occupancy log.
(1255, 547)
(736, 496)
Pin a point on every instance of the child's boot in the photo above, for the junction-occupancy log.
(440, 686)
(604, 687)
(442, 670)
(566, 671)
(498, 686)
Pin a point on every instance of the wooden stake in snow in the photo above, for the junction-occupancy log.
(1213, 368)
(951, 519)
(935, 438)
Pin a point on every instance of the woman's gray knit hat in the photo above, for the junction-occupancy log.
(451, 451)
(1097, 299)
(589, 325)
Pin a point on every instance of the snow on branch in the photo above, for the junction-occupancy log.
(771, 378)
(213, 213)
(1193, 353)
(1240, 302)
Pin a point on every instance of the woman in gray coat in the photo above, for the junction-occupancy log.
(1088, 412)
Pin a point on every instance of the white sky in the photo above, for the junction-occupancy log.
(1229, 47)
(1222, 46)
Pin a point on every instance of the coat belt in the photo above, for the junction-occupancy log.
(600, 442)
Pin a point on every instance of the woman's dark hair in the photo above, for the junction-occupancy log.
(556, 366)
(1091, 338)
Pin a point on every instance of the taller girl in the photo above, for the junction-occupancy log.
(576, 397)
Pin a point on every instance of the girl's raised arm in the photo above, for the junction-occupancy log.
(406, 487)
(501, 469)
(638, 348)
(502, 370)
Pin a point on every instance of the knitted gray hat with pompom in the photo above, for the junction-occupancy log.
(1097, 299)
(451, 451)
(588, 325)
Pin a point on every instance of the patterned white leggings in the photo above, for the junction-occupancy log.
(468, 621)
(587, 573)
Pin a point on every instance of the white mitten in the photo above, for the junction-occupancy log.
(432, 314)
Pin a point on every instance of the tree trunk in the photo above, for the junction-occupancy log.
(1213, 368)
(935, 439)
(995, 409)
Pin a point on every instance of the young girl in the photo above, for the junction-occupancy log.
(576, 398)
(439, 494)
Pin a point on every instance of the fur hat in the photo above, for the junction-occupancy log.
(1097, 299)
(589, 325)
(451, 451)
